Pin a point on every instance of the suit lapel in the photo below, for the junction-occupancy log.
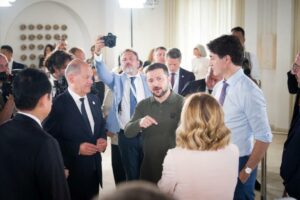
(94, 107)
(181, 81)
(78, 113)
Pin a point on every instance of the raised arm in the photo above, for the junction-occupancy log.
(105, 75)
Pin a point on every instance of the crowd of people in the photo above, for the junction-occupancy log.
(187, 135)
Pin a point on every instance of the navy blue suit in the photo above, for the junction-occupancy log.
(31, 162)
(17, 66)
(193, 87)
(293, 89)
(290, 165)
(67, 125)
(185, 77)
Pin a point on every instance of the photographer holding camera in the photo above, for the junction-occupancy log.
(7, 103)
(56, 63)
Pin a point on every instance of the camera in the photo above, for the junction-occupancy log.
(7, 80)
(109, 40)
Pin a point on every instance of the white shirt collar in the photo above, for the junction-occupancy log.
(32, 117)
(177, 72)
(138, 75)
(74, 95)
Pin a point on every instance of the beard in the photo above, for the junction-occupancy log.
(162, 93)
(129, 70)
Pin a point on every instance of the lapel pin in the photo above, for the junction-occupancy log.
(93, 102)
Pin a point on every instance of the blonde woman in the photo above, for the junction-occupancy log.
(204, 165)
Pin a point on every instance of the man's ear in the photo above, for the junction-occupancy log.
(228, 59)
(70, 78)
(43, 101)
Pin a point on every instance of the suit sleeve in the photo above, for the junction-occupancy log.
(50, 172)
(53, 125)
(106, 76)
(102, 121)
(292, 83)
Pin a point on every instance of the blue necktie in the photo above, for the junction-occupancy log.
(84, 113)
(223, 93)
(132, 96)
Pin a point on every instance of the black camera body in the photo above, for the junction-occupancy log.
(109, 40)
(7, 80)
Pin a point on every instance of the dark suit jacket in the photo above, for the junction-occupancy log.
(290, 165)
(184, 78)
(98, 88)
(293, 89)
(31, 162)
(17, 66)
(67, 125)
(193, 87)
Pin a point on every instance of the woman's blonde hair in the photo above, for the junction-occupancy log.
(202, 124)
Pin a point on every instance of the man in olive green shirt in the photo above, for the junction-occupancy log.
(157, 118)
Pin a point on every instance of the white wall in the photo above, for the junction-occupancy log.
(148, 29)
(274, 81)
(85, 19)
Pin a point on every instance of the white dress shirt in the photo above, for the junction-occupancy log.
(176, 81)
(124, 115)
(76, 98)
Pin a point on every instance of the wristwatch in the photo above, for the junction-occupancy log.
(248, 170)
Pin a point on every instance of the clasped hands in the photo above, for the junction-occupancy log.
(88, 149)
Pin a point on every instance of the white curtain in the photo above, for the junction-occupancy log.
(296, 26)
(191, 22)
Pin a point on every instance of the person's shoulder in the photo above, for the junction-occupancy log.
(233, 148)
(94, 99)
(19, 65)
(184, 71)
(178, 97)
(146, 101)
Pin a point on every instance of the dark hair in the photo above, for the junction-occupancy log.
(56, 60)
(92, 48)
(155, 66)
(7, 48)
(227, 45)
(160, 48)
(73, 50)
(29, 86)
(137, 190)
(131, 51)
(174, 53)
(238, 29)
(50, 46)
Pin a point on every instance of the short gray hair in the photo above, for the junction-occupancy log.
(74, 67)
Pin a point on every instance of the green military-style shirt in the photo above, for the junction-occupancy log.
(157, 139)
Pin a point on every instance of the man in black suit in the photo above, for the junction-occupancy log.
(31, 162)
(179, 77)
(76, 122)
(290, 165)
(7, 103)
(13, 66)
(194, 87)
